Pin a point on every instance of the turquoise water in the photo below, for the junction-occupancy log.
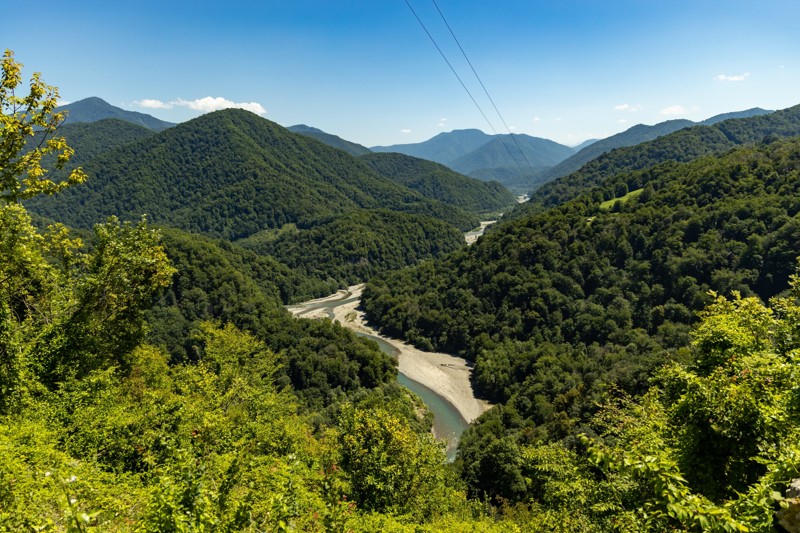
(448, 424)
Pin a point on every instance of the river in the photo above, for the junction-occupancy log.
(440, 380)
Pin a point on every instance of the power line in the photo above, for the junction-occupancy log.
(452, 33)
(462, 84)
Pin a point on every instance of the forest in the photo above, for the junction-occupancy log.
(643, 355)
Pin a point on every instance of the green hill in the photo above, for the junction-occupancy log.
(231, 174)
(443, 148)
(683, 145)
(350, 248)
(330, 139)
(438, 182)
(93, 109)
(90, 139)
(555, 306)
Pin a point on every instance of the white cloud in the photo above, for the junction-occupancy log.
(150, 103)
(210, 103)
(405, 130)
(738, 77)
(512, 128)
(623, 121)
(633, 108)
(204, 105)
(442, 123)
(673, 111)
(63, 102)
(536, 119)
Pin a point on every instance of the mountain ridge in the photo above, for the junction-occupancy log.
(93, 109)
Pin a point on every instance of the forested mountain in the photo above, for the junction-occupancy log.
(630, 137)
(231, 174)
(90, 139)
(93, 109)
(436, 181)
(635, 135)
(443, 148)
(348, 249)
(555, 306)
(747, 113)
(330, 139)
(684, 145)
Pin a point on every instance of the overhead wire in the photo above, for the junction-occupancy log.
(485, 90)
(453, 70)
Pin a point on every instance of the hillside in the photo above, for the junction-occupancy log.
(90, 139)
(517, 162)
(683, 145)
(350, 248)
(443, 148)
(231, 174)
(636, 135)
(335, 141)
(554, 306)
(438, 182)
(93, 109)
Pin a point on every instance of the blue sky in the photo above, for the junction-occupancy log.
(565, 70)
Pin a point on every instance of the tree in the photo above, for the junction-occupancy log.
(23, 119)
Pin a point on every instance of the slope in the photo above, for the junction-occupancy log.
(636, 135)
(335, 141)
(443, 148)
(683, 145)
(93, 109)
(436, 181)
(515, 162)
(553, 307)
(230, 174)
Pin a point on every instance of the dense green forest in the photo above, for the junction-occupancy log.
(683, 145)
(555, 307)
(438, 182)
(151, 381)
(230, 174)
(348, 249)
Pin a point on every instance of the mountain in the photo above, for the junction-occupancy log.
(230, 174)
(683, 145)
(93, 109)
(330, 139)
(515, 161)
(576, 305)
(443, 148)
(630, 137)
(747, 113)
(633, 136)
(584, 144)
(90, 139)
(436, 181)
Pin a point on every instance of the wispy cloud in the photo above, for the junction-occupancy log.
(537, 119)
(673, 111)
(405, 130)
(204, 105)
(623, 121)
(150, 103)
(738, 77)
(632, 108)
(442, 122)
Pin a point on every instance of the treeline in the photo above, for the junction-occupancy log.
(436, 181)
(230, 174)
(555, 307)
(348, 249)
(681, 146)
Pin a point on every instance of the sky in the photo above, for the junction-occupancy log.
(565, 70)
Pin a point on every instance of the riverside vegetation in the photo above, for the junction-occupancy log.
(150, 380)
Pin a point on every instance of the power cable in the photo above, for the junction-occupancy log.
(462, 84)
(486, 91)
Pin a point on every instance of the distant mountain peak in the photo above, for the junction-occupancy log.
(94, 109)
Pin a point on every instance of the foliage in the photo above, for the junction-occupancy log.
(347, 249)
(554, 307)
(22, 175)
(231, 174)
(438, 182)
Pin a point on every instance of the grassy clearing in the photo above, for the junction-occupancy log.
(608, 204)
